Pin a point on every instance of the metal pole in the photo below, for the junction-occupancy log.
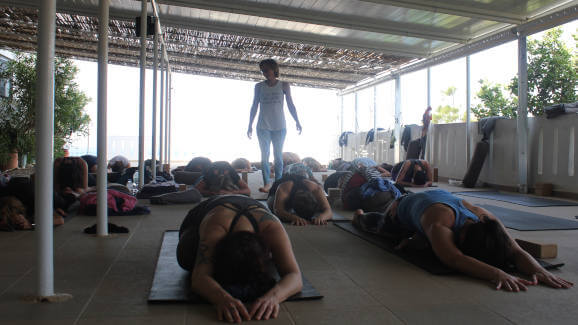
(397, 119)
(428, 86)
(170, 119)
(161, 108)
(43, 190)
(374, 122)
(356, 126)
(143, 63)
(429, 142)
(522, 120)
(102, 206)
(154, 132)
(167, 112)
(342, 148)
(468, 110)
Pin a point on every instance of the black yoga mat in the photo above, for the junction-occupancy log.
(527, 221)
(529, 201)
(425, 259)
(337, 217)
(171, 283)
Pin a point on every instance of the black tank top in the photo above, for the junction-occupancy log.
(241, 204)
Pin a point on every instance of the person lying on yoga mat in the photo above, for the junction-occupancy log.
(413, 172)
(232, 244)
(463, 236)
(221, 178)
(299, 200)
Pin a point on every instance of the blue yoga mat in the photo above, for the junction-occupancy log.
(527, 221)
(526, 200)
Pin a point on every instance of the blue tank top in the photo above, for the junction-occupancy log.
(412, 207)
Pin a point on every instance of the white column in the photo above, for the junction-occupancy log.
(429, 141)
(141, 114)
(341, 122)
(468, 110)
(356, 126)
(170, 119)
(167, 113)
(374, 145)
(44, 120)
(522, 120)
(161, 108)
(397, 149)
(154, 131)
(101, 208)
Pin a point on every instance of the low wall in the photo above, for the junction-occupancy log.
(552, 152)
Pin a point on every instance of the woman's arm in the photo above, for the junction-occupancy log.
(281, 197)
(228, 308)
(326, 212)
(202, 187)
(524, 262)
(268, 305)
(401, 174)
(290, 105)
(436, 223)
(429, 171)
(243, 188)
(253, 112)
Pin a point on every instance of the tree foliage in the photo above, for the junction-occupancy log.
(552, 79)
(17, 111)
(447, 113)
(494, 101)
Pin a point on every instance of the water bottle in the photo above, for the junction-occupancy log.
(135, 182)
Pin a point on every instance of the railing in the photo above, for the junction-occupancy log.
(552, 152)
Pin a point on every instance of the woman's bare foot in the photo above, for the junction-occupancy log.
(265, 189)
(58, 220)
(356, 215)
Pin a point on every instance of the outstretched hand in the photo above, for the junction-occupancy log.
(249, 132)
(299, 128)
(232, 310)
(264, 308)
(550, 279)
(298, 221)
(509, 282)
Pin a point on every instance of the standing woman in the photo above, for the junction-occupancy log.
(269, 95)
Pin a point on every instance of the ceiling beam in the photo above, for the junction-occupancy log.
(345, 21)
(455, 9)
(291, 36)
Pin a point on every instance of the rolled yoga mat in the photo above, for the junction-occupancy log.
(527, 221)
(529, 201)
(425, 259)
(171, 283)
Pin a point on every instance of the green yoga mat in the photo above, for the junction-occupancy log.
(171, 283)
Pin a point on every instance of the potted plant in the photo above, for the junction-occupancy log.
(17, 109)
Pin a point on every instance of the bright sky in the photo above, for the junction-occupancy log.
(210, 115)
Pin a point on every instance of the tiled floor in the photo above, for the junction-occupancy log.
(362, 284)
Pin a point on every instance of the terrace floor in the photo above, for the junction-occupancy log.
(110, 279)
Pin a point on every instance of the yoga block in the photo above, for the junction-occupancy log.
(245, 177)
(324, 177)
(543, 189)
(538, 250)
(334, 193)
(435, 174)
(182, 187)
